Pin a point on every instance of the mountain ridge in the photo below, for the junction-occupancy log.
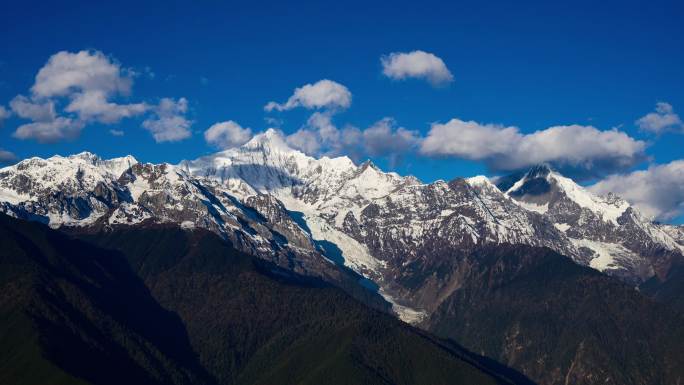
(394, 243)
(330, 211)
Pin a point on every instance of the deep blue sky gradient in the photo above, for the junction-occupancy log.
(531, 64)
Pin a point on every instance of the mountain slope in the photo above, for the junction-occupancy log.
(339, 221)
(558, 322)
(166, 305)
(72, 308)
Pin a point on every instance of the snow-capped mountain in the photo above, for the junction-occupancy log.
(322, 216)
(612, 235)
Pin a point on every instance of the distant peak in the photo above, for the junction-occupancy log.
(271, 138)
(368, 164)
(85, 155)
(539, 171)
(479, 180)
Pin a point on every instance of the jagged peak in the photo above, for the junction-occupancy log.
(369, 164)
(541, 170)
(479, 180)
(271, 139)
(85, 156)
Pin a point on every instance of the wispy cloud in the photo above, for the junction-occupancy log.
(663, 119)
(169, 123)
(384, 138)
(4, 114)
(7, 157)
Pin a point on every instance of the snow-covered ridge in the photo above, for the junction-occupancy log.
(275, 202)
(616, 236)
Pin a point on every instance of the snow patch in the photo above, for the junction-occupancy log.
(405, 313)
(605, 253)
(541, 209)
(561, 226)
(187, 225)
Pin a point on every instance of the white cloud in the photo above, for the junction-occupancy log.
(322, 94)
(384, 138)
(662, 120)
(114, 132)
(227, 135)
(88, 84)
(7, 156)
(49, 132)
(93, 106)
(658, 192)
(306, 141)
(416, 64)
(506, 148)
(169, 123)
(320, 136)
(35, 111)
(66, 73)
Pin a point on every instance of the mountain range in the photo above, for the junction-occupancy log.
(531, 269)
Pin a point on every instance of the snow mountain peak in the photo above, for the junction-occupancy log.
(271, 139)
(278, 203)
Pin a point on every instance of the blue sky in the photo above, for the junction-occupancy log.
(533, 66)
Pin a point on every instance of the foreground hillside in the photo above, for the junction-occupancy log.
(167, 306)
(558, 322)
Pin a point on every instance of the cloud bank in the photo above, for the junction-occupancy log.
(320, 136)
(658, 192)
(506, 148)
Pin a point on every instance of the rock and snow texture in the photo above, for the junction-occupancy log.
(308, 214)
(608, 231)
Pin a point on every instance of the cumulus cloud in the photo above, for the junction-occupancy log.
(89, 85)
(416, 64)
(94, 106)
(664, 119)
(169, 123)
(384, 138)
(7, 156)
(658, 192)
(305, 140)
(67, 72)
(322, 94)
(114, 132)
(35, 111)
(506, 148)
(227, 135)
(50, 131)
